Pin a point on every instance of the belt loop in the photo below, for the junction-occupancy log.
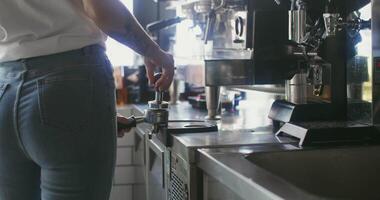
(23, 61)
(88, 50)
(93, 49)
(24, 64)
(85, 51)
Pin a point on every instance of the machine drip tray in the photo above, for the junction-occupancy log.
(327, 133)
(191, 127)
(184, 126)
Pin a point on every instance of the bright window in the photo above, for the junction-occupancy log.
(119, 54)
(365, 47)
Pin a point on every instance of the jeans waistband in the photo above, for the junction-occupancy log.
(93, 55)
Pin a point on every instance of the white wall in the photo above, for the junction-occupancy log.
(119, 54)
(124, 180)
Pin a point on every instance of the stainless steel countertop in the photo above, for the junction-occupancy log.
(284, 171)
(230, 167)
(251, 115)
(249, 126)
(222, 154)
(186, 145)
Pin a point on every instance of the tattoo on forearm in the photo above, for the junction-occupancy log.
(133, 38)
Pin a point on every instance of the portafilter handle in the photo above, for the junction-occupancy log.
(131, 122)
(153, 114)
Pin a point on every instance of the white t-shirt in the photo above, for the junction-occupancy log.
(30, 28)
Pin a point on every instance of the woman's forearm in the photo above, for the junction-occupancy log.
(116, 21)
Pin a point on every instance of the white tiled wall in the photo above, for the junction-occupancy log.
(125, 171)
(124, 175)
(121, 192)
(126, 141)
(124, 156)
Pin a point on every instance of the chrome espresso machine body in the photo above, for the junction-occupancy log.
(238, 38)
(324, 93)
(310, 47)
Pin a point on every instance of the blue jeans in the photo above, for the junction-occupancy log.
(57, 127)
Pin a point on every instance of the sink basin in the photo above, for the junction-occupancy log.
(340, 173)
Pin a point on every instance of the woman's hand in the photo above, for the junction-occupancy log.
(124, 125)
(164, 61)
(114, 19)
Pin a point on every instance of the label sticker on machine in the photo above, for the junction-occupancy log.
(377, 63)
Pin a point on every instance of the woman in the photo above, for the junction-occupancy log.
(57, 110)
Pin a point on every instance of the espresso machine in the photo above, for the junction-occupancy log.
(324, 90)
(243, 41)
(306, 45)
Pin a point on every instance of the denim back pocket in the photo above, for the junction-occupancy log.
(65, 101)
(3, 87)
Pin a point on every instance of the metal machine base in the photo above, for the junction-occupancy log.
(182, 127)
(330, 133)
(284, 112)
(318, 124)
